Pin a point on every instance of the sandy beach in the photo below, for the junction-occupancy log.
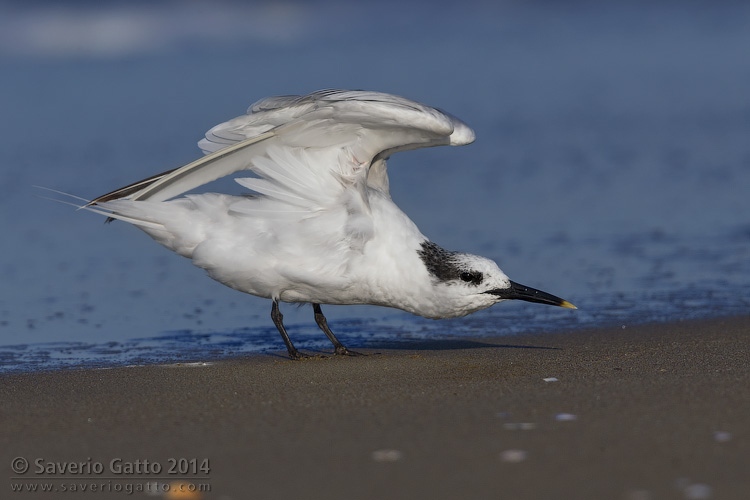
(635, 413)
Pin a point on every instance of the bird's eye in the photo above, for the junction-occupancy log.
(474, 278)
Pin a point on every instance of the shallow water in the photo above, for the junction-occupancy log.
(611, 167)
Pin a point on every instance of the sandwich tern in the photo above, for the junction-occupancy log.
(318, 224)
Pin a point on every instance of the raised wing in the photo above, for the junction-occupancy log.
(339, 136)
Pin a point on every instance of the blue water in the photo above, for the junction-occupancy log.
(611, 167)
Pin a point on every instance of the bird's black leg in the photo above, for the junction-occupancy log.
(278, 320)
(338, 347)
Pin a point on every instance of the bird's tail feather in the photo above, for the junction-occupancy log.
(135, 217)
(113, 212)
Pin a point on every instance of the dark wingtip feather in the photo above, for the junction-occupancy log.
(128, 190)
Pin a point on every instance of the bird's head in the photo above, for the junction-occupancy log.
(465, 283)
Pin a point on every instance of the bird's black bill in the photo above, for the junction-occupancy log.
(517, 291)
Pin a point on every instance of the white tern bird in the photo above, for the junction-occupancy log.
(319, 225)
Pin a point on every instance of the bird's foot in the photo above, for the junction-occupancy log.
(343, 351)
(297, 355)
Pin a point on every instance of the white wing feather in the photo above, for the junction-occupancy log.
(309, 146)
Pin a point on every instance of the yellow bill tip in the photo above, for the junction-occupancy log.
(567, 304)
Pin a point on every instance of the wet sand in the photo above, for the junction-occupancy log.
(644, 412)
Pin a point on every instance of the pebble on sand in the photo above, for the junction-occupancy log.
(565, 417)
(513, 456)
(722, 436)
(522, 426)
(639, 495)
(179, 490)
(387, 455)
(698, 491)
